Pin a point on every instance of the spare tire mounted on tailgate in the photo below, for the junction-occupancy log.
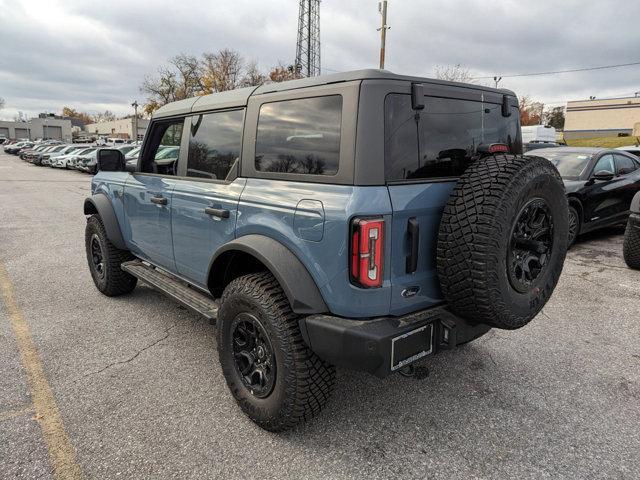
(502, 240)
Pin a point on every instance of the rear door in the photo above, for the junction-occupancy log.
(425, 152)
(205, 197)
(148, 195)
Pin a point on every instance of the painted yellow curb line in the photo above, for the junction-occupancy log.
(61, 453)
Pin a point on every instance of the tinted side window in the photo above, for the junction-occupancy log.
(163, 149)
(300, 136)
(448, 133)
(625, 165)
(605, 163)
(214, 144)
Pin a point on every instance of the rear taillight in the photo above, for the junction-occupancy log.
(498, 148)
(367, 243)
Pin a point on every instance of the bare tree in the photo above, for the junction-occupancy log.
(106, 116)
(1, 103)
(253, 77)
(188, 76)
(455, 73)
(181, 79)
(222, 71)
(530, 111)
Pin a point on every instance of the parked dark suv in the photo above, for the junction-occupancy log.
(361, 220)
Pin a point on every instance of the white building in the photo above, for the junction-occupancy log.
(123, 128)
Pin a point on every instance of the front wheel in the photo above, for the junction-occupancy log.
(275, 378)
(104, 260)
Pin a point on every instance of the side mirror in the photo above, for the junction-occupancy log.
(604, 175)
(110, 160)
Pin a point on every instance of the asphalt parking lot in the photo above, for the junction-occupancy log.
(136, 391)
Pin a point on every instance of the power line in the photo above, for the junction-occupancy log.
(587, 69)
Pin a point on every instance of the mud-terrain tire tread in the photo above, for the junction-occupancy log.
(631, 245)
(117, 281)
(471, 237)
(308, 380)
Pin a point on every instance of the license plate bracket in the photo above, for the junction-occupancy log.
(411, 346)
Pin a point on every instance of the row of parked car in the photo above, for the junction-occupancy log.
(83, 157)
(67, 156)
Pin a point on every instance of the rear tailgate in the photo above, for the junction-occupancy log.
(417, 209)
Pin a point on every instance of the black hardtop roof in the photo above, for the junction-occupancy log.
(240, 97)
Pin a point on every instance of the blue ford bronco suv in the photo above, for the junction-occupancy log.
(361, 220)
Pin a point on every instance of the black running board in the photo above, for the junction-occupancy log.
(172, 287)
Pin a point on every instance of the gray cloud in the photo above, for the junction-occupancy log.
(94, 56)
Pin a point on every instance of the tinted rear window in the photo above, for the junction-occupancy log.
(441, 140)
(571, 164)
(300, 136)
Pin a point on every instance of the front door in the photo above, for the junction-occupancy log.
(601, 202)
(205, 198)
(148, 195)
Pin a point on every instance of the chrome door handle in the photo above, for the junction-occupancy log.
(159, 200)
(217, 212)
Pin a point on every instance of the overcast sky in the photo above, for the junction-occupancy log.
(93, 55)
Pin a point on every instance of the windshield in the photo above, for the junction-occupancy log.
(86, 151)
(170, 152)
(133, 153)
(569, 164)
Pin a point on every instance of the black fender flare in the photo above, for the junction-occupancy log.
(301, 290)
(99, 204)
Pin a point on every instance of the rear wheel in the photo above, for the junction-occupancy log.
(574, 225)
(275, 378)
(502, 240)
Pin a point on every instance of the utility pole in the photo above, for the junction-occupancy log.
(497, 80)
(382, 9)
(135, 120)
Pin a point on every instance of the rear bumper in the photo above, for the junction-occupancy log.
(371, 345)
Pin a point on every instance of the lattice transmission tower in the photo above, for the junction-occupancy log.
(308, 45)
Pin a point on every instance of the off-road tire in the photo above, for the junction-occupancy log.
(303, 382)
(114, 281)
(631, 245)
(475, 233)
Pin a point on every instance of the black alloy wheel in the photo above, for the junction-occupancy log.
(253, 354)
(97, 257)
(531, 245)
(574, 225)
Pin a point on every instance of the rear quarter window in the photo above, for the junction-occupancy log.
(300, 136)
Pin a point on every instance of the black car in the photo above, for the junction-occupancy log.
(600, 185)
(527, 147)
